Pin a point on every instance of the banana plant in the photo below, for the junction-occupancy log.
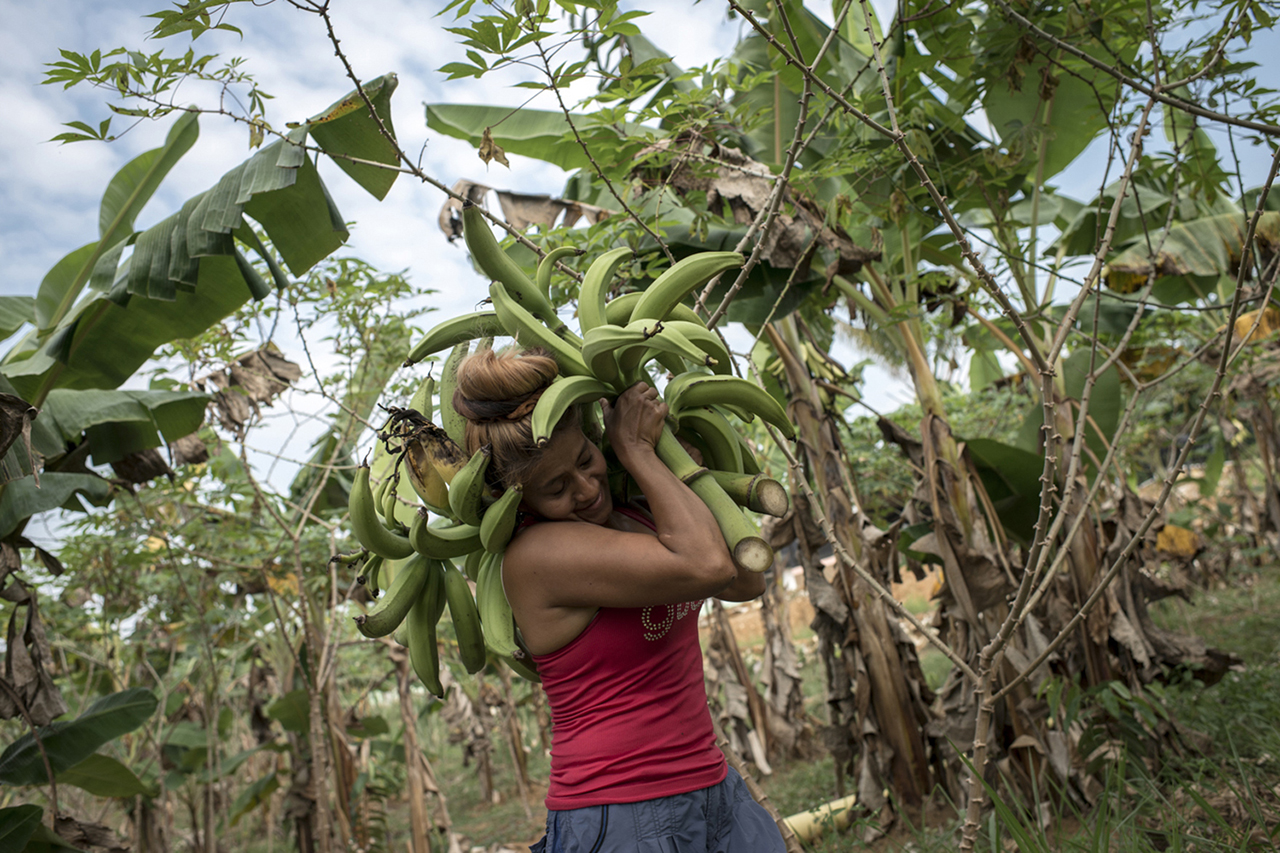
(97, 318)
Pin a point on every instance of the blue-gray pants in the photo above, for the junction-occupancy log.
(720, 819)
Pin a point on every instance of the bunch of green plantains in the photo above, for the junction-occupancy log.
(449, 511)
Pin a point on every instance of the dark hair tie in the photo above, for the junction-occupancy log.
(495, 411)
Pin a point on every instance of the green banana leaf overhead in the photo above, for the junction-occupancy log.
(15, 312)
(189, 271)
(97, 318)
(110, 416)
(541, 134)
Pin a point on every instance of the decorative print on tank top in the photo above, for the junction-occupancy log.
(657, 628)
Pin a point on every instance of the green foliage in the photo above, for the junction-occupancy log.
(69, 743)
(885, 483)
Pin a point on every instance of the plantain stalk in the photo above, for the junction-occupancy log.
(748, 549)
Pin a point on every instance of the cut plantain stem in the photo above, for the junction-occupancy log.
(739, 533)
(756, 492)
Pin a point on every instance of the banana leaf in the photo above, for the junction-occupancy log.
(1064, 115)
(127, 193)
(541, 134)
(104, 776)
(1011, 477)
(18, 824)
(347, 128)
(14, 311)
(69, 742)
(1193, 257)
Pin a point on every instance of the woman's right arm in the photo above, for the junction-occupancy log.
(573, 564)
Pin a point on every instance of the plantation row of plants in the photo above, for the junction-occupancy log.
(197, 654)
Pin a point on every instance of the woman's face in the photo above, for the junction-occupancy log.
(569, 482)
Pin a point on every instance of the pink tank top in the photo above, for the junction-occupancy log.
(629, 711)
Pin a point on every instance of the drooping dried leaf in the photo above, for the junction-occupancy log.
(521, 210)
(490, 150)
(254, 379)
(142, 467)
(690, 163)
(10, 561)
(26, 652)
(189, 450)
(16, 415)
(450, 217)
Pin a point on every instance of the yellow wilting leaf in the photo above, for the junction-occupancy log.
(286, 585)
(1178, 541)
(154, 543)
(257, 131)
(1269, 323)
(490, 150)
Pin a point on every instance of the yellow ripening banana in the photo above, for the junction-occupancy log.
(618, 310)
(420, 628)
(423, 399)
(495, 612)
(564, 392)
(466, 619)
(718, 437)
(595, 288)
(529, 331)
(685, 276)
(547, 266)
(756, 492)
(424, 478)
(499, 521)
(440, 451)
(692, 390)
(498, 266)
(366, 524)
(442, 542)
(406, 588)
(455, 425)
(369, 572)
(706, 340)
(468, 489)
(451, 332)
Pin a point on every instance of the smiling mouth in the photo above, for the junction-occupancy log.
(594, 505)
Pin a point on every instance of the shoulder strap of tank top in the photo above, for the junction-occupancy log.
(637, 515)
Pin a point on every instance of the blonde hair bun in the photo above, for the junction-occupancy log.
(496, 393)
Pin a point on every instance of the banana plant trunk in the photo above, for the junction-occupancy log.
(419, 821)
(877, 694)
(790, 731)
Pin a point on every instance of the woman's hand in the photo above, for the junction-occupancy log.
(635, 420)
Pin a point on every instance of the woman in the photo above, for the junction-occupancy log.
(607, 598)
